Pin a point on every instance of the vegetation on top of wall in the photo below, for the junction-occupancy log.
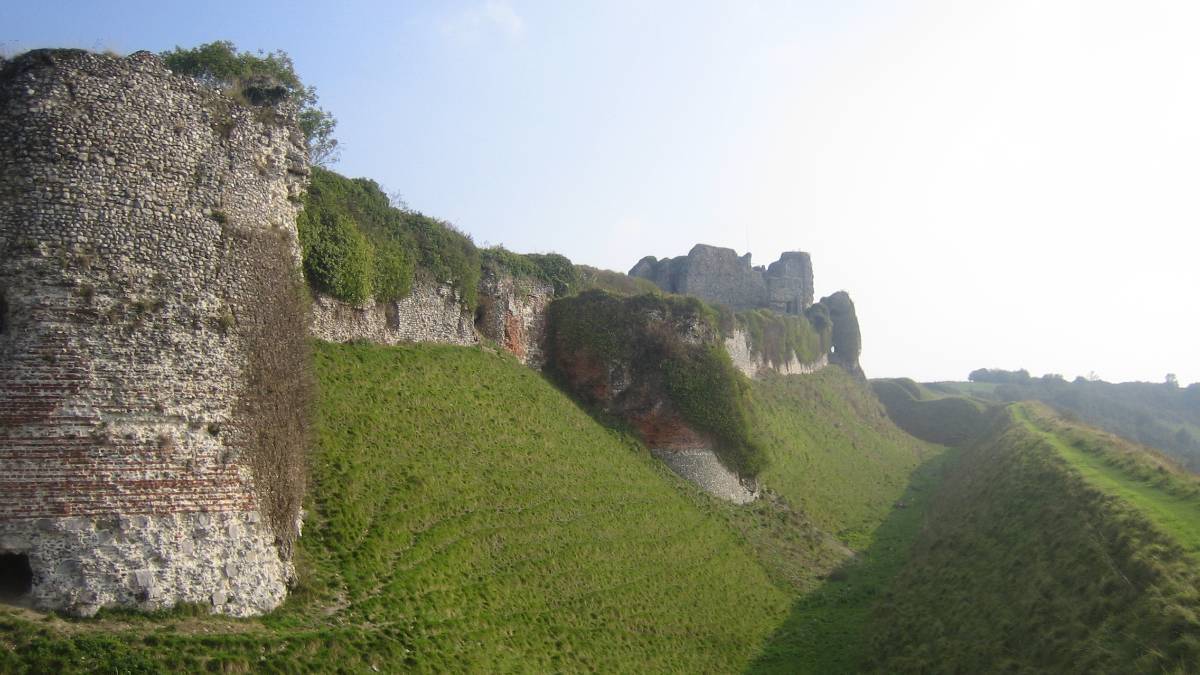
(260, 79)
(668, 344)
(613, 282)
(552, 268)
(781, 337)
(358, 246)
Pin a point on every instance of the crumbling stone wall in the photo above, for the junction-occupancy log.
(721, 276)
(127, 195)
(429, 313)
(512, 312)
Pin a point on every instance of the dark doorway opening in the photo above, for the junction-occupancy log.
(3, 312)
(16, 576)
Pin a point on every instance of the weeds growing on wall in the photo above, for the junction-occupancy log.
(272, 414)
(781, 337)
(669, 344)
(357, 246)
(613, 282)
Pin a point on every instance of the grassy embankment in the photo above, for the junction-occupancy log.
(836, 457)
(1050, 548)
(466, 515)
(935, 416)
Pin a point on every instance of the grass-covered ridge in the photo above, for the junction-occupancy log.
(1029, 564)
(931, 415)
(1162, 415)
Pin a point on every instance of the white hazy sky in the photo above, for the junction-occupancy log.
(997, 184)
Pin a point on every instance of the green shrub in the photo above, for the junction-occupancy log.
(338, 259)
(404, 244)
(614, 282)
(552, 268)
(260, 79)
(393, 272)
(713, 396)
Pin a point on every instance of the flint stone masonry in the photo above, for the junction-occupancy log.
(756, 365)
(720, 275)
(126, 197)
(512, 312)
(702, 467)
(429, 313)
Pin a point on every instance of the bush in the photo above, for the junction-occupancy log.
(338, 259)
(613, 282)
(402, 244)
(393, 271)
(552, 268)
(712, 395)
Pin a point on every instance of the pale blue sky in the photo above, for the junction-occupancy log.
(997, 184)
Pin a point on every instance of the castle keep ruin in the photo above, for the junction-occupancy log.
(130, 203)
(720, 275)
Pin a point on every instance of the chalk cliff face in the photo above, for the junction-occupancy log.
(720, 276)
(135, 211)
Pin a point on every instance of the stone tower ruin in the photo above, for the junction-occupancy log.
(720, 275)
(128, 196)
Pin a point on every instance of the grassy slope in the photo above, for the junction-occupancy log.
(931, 414)
(465, 515)
(517, 529)
(826, 632)
(1027, 566)
(832, 451)
(835, 454)
(1163, 493)
(1154, 414)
